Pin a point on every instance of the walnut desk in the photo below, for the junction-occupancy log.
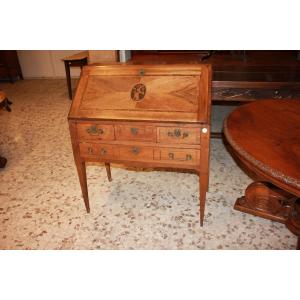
(143, 115)
(265, 137)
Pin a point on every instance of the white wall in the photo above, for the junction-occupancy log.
(45, 63)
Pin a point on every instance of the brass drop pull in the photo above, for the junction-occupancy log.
(135, 150)
(171, 155)
(103, 151)
(142, 72)
(90, 150)
(188, 157)
(134, 131)
(177, 133)
(93, 130)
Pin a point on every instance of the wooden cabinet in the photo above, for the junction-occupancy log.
(143, 115)
(9, 66)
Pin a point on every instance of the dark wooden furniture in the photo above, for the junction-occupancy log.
(75, 60)
(143, 115)
(264, 136)
(237, 79)
(260, 75)
(9, 66)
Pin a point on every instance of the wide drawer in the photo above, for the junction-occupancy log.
(179, 135)
(134, 132)
(99, 151)
(135, 153)
(185, 156)
(91, 131)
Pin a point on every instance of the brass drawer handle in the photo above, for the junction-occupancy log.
(134, 130)
(90, 150)
(142, 72)
(93, 130)
(103, 151)
(177, 133)
(135, 150)
(171, 155)
(188, 157)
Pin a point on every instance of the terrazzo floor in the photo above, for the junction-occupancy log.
(40, 198)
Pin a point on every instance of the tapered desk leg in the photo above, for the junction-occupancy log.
(204, 169)
(203, 186)
(108, 171)
(68, 75)
(81, 169)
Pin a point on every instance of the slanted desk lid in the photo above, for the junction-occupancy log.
(143, 92)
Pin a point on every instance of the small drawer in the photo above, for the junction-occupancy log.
(186, 156)
(99, 151)
(179, 135)
(135, 133)
(92, 131)
(135, 153)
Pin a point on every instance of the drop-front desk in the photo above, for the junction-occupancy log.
(143, 115)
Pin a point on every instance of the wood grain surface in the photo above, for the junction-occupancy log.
(143, 115)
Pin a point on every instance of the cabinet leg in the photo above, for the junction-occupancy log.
(203, 185)
(68, 75)
(81, 169)
(108, 171)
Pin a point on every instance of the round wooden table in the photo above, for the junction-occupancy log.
(265, 137)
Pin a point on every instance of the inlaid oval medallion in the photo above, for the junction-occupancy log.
(138, 92)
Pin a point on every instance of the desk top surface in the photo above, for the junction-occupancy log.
(77, 56)
(266, 134)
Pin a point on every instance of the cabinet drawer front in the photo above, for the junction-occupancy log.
(135, 133)
(178, 135)
(186, 156)
(99, 151)
(135, 153)
(95, 132)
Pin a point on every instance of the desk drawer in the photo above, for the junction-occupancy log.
(135, 153)
(99, 151)
(135, 133)
(185, 156)
(91, 131)
(179, 135)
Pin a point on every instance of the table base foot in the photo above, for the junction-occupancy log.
(293, 221)
(266, 201)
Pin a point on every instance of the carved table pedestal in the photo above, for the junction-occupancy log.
(264, 136)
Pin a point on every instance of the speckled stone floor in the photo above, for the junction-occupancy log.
(40, 198)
